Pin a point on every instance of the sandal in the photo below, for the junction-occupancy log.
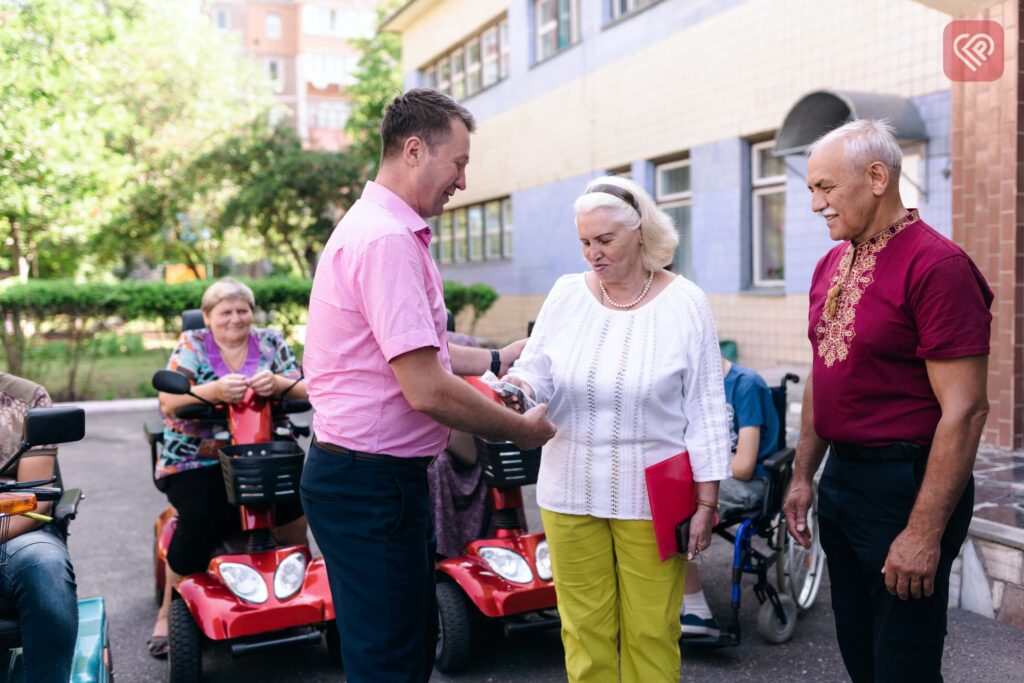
(158, 647)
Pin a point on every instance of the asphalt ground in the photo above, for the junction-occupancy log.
(111, 546)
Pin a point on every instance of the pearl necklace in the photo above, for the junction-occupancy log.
(634, 302)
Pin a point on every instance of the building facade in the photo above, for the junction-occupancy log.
(304, 48)
(700, 101)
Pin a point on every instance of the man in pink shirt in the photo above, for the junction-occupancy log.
(379, 372)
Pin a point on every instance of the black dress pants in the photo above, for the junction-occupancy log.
(373, 524)
(862, 507)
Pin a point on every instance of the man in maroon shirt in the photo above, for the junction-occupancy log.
(899, 325)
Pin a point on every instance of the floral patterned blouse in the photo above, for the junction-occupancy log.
(189, 444)
(17, 397)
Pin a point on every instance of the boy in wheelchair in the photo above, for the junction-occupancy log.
(754, 430)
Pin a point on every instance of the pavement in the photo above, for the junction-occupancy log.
(111, 546)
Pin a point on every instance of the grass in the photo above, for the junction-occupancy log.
(105, 378)
(120, 366)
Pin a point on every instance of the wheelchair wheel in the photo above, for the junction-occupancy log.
(770, 626)
(799, 569)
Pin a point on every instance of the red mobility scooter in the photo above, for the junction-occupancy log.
(504, 577)
(262, 595)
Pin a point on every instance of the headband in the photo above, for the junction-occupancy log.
(616, 191)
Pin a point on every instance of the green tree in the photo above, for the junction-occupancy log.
(378, 81)
(182, 99)
(58, 177)
(290, 197)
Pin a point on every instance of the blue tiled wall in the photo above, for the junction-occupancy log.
(718, 215)
(546, 244)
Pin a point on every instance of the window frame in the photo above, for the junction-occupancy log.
(219, 13)
(632, 7)
(761, 186)
(432, 72)
(456, 236)
(541, 31)
(278, 83)
(674, 200)
(266, 26)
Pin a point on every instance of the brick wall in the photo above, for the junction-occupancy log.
(988, 217)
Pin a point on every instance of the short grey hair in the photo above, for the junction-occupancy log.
(865, 142)
(224, 289)
(656, 228)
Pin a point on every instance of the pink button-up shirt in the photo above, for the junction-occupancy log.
(376, 295)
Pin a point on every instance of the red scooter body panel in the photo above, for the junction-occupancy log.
(493, 595)
(221, 615)
(249, 420)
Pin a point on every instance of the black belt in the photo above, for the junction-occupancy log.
(421, 462)
(849, 452)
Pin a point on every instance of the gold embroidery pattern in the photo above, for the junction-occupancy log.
(835, 333)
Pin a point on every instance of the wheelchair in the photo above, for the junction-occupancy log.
(797, 570)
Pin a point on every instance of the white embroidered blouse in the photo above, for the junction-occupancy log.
(626, 389)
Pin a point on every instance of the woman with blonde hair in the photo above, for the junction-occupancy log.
(222, 361)
(626, 356)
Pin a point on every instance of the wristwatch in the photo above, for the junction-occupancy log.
(495, 361)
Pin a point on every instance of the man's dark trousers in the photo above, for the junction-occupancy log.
(862, 507)
(373, 524)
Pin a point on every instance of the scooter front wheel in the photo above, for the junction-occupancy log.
(185, 657)
(453, 633)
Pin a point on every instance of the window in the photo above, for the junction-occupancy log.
(912, 175)
(323, 70)
(556, 26)
(492, 236)
(459, 74)
(506, 228)
(275, 73)
(221, 19)
(461, 235)
(621, 8)
(768, 200)
(480, 232)
(472, 66)
(328, 115)
(272, 25)
(476, 232)
(445, 239)
(473, 70)
(673, 193)
(319, 20)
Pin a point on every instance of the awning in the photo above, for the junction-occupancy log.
(819, 112)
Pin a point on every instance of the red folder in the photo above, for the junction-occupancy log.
(670, 491)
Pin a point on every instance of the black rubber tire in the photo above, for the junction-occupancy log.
(771, 627)
(333, 642)
(185, 658)
(454, 634)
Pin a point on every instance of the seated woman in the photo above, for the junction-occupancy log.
(222, 361)
(458, 494)
(754, 434)
(38, 578)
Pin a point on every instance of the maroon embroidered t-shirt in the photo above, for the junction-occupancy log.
(911, 295)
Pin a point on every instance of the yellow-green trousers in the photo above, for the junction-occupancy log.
(619, 603)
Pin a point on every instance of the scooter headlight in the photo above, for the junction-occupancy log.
(289, 576)
(243, 581)
(507, 564)
(543, 560)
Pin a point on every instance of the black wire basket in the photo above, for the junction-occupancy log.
(505, 465)
(261, 473)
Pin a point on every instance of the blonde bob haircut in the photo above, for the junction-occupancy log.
(224, 289)
(657, 232)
